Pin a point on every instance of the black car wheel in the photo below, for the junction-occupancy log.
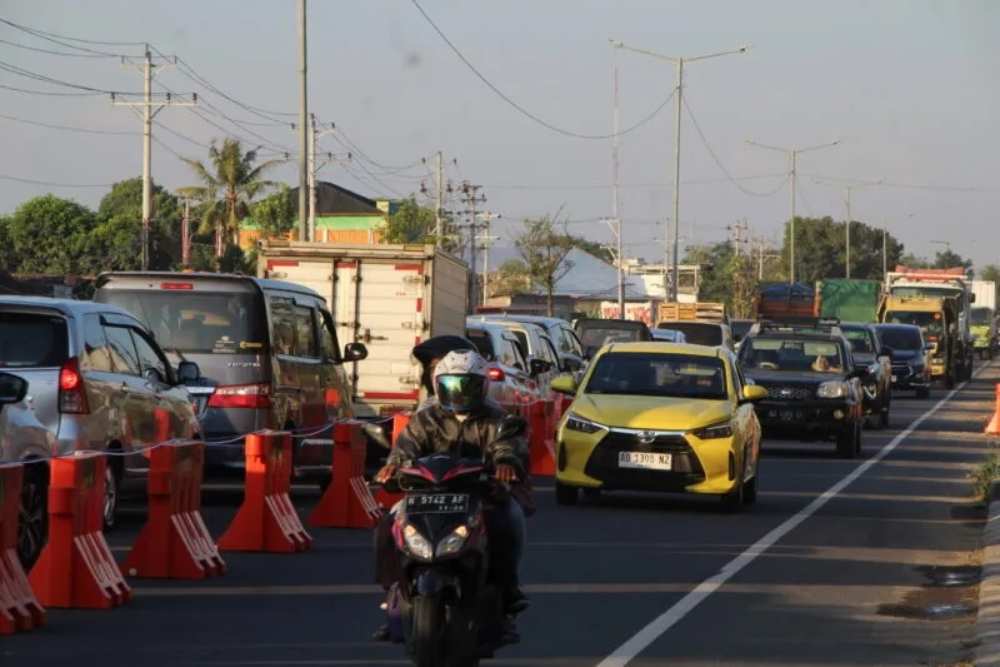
(566, 495)
(33, 519)
(112, 492)
(750, 489)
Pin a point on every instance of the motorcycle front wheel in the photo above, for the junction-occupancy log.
(428, 630)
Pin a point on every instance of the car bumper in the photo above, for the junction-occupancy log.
(702, 467)
(811, 418)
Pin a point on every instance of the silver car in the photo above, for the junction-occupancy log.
(97, 381)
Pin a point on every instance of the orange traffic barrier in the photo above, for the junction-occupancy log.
(76, 569)
(161, 419)
(993, 428)
(347, 501)
(19, 610)
(540, 439)
(267, 521)
(175, 543)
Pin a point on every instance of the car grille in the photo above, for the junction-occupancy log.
(603, 463)
(901, 370)
(781, 392)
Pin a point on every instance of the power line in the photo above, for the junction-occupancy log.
(718, 162)
(56, 53)
(69, 128)
(906, 186)
(521, 109)
(54, 185)
(193, 74)
(49, 92)
(60, 40)
(346, 142)
(28, 74)
(605, 186)
(181, 136)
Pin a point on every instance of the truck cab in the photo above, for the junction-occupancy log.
(938, 320)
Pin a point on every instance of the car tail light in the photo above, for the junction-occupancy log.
(72, 393)
(496, 374)
(241, 396)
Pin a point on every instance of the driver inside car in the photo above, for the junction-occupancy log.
(462, 421)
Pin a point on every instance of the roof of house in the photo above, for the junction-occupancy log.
(589, 277)
(333, 199)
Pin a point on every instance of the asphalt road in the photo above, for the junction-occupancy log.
(859, 562)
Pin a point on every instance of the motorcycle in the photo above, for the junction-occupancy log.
(445, 608)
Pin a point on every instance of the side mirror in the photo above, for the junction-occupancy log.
(564, 384)
(188, 372)
(753, 393)
(539, 366)
(13, 389)
(355, 352)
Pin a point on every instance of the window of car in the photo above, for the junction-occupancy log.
(96, 353)
(305, 332)
(509, 353)
(860, 340)
(33, 340)
(793, 354)
(292, 330)
(666, 375)
(522, 342)
(551, 349)
(899, 338)
(124, 358)
(149, 358)
(327, 336)
(698, 333)
(483, 342)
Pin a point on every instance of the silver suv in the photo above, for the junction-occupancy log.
(96, 381)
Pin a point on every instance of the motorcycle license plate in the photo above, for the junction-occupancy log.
(645, 460)
(438, 503)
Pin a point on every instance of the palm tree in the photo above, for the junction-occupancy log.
(228, 189)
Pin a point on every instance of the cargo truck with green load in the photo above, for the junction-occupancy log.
(849, 300)
(983, 322)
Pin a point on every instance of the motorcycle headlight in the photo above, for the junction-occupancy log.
(715, 431)
(417, 543)
(833, 389)
(575, 422)
(453, 542)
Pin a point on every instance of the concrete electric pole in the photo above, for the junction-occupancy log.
(150, 106)
(679, 63)
(793, 154)
(303, 126)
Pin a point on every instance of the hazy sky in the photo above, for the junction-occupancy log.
(910, 88)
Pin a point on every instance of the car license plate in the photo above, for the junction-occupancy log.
(895, 378)
(644, 460)
(787, 415)
(437, 503)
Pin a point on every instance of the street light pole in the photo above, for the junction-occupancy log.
(793, 154)
(679, 63)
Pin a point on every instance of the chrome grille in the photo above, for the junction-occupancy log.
(788, 393)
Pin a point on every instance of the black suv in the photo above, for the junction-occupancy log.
(904, 343)
(814, 389)
(869, 353)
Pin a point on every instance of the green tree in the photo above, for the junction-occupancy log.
(510, 279)
(230, 182)
(51, 235)
(119, 231)
(947, 259)
(820, 249)
(413, 223)
(544, 249)
(7, 258)
(598, 250)
(277, 213)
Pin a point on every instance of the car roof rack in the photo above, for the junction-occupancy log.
(815, 325)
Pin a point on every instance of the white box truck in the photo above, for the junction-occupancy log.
(389, 297)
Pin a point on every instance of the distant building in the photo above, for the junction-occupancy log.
(342, 216)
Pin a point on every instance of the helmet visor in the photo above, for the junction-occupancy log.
(460, 393)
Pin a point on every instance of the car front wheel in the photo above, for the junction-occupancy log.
(112, 492)
(33, 519)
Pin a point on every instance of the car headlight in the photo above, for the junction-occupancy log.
(575, 422)
(715, 431)
(833, 389)
(453, 542)
(417, 543)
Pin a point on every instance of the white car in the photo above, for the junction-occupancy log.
(510, 383)
(536, 346)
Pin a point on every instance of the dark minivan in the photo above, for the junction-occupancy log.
(267, 351)
(595, 333)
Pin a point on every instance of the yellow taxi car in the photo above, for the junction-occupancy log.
(659, 417)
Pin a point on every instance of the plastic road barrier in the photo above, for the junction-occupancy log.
(76, 569)
(267, 521)
(347, 501)
(540, 439)
(19, 610)
(385, 499)
(175, 543)
(993, 428)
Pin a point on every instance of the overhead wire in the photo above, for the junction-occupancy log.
(525, 112)
(61, 40)
(28, 74)
(51, 93)
(718, 162)
(69, 128)
(57, 53)
(31, 181)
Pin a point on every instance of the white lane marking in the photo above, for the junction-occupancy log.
(628, 651)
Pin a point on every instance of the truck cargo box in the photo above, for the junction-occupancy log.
(776, 301)
(849, 300)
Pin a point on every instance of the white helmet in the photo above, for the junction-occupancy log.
(460, 381)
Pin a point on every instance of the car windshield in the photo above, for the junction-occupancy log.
(898, 338)
(931, 323)
(595, 336)
(861, 342)
(32, 341)
(698, 333)
(666, 375)
(791, 354)
(193, 322)
(981, 316)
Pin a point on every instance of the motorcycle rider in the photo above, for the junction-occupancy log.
(462, 417)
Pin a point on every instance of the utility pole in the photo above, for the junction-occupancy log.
(615, 207)
(438, 198)
(885, 253)
(793, 154)
(738, 229)
(303, 126)
(314, 134)
(471, 197)
(679, 63)
(149, 109)
(186, 235)
(485, 242)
